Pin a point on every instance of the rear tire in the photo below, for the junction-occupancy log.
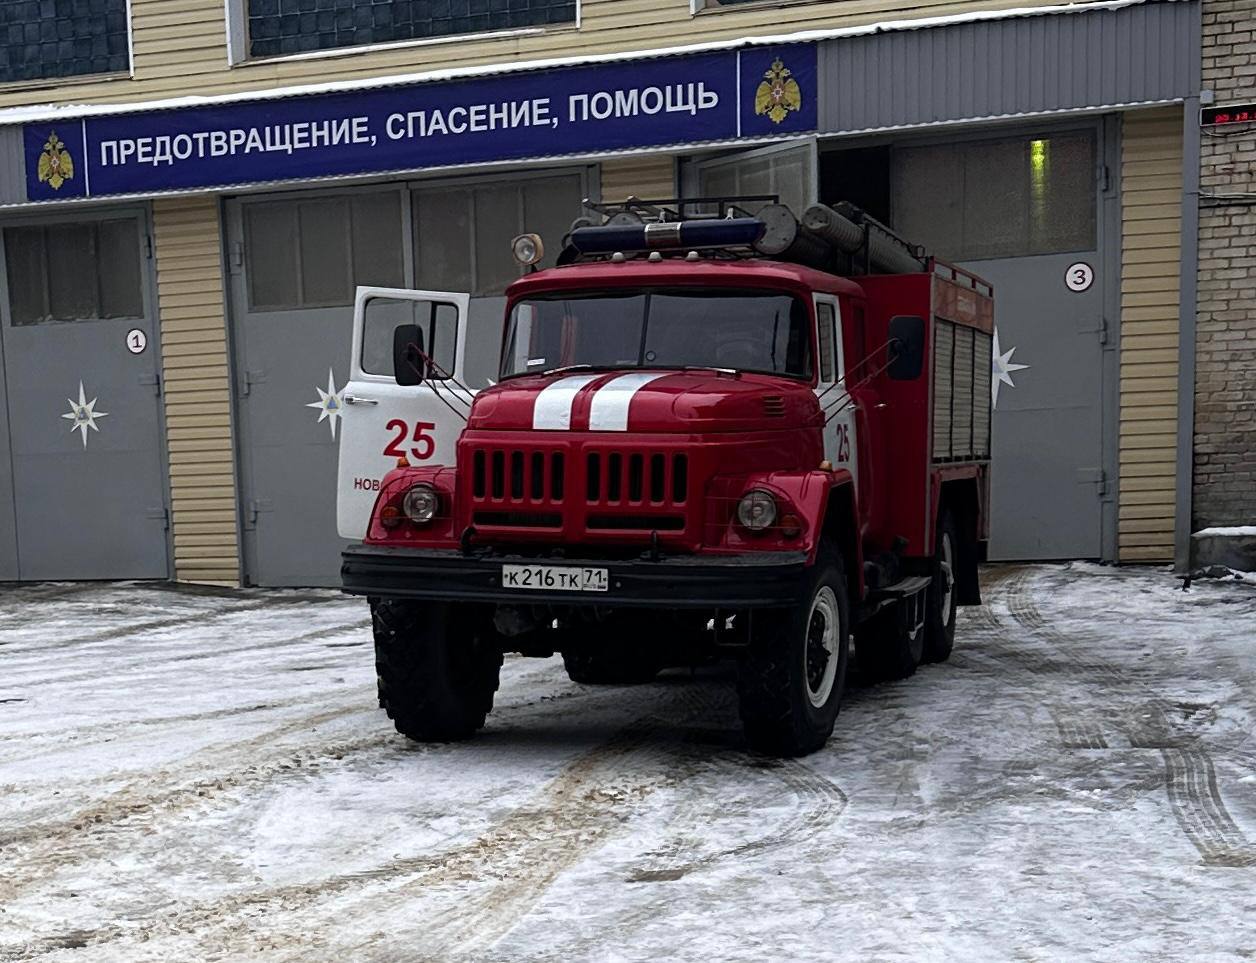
(885, 647)
(792, 678)
(437, 665)
(943, 594)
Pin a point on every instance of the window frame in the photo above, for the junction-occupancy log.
(128, 73)
(458, 300)
(511, 178)
(1047, 129)
(693, 167)
(698, 7)
(73, 215)
(811, 360)
(831, 301)
(237, 38)
(430, 325)
(298, 196)
(236, 205)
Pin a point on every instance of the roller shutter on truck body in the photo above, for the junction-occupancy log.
(961, 392)
(961, 368)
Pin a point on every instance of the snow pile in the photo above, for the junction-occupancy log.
(1232, 531)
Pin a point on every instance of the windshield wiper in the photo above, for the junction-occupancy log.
(573, 367)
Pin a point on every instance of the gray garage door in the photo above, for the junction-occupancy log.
(295, 263)
(8, 518)
(83, 410)
(1020, 211)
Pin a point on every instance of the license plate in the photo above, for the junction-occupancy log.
(554, 578)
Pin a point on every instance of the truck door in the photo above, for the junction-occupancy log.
(383, 421)
(839, 428)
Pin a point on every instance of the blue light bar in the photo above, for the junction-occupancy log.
(670, 235)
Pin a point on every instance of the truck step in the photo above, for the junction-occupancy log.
(900, 590)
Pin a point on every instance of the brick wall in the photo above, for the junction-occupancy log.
(1225, 385)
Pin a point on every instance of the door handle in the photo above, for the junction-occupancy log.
(355, 400)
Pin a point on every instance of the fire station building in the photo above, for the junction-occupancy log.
(191, 191)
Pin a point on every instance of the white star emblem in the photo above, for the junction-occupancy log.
(329, 403)
(1003, 366)
(83, 414)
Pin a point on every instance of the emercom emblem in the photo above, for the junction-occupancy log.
(778, 94)
(55, 164)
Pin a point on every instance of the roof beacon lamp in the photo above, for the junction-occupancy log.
(528, 249)
(684, 235)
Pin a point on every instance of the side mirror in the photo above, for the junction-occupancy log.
(907, 347)
(409, 366)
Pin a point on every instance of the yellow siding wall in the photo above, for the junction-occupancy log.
(1151, 208)
(649, 178)
(197, 390)
(181, 48)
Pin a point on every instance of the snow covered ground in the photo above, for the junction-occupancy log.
(192, 776)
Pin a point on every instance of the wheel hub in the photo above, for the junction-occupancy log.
(948, 577)
(820, 658)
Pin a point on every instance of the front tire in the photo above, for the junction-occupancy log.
(943, 594)
(792, 678)
(437, 665)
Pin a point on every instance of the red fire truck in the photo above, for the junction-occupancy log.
(712, 434)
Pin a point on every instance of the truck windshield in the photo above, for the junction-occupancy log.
(745, 330)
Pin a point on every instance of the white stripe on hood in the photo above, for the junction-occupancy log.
(552, 409)
(609, 411)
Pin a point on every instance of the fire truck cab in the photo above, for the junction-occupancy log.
(710, 436)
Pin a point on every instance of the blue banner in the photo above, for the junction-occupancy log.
(752, 93)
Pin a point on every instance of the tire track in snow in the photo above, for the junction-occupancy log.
(523, 856)
(200, 779)
(1073, 722)
(23, 592)
(821, 803)
(121, 667)
(218, 767)
(201, 616)
(77, 738)
(516, 859)
(205, 614)
(1190, 775)
(90, 832)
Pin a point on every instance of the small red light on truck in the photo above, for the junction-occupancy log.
(390, 516)
(791, 527)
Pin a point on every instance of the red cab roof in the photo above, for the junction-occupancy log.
(638, 272)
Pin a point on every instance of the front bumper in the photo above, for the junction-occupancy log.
(692, 581)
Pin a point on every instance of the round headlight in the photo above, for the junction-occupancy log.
(756, 510)
(420, 504)
(527, 249)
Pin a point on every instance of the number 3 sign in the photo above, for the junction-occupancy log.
(1079, 276)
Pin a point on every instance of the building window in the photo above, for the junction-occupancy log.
(1010, 197)
(278, 27)
(313, 253)
(74, 271)
(696, 5)
(786, 172)
(462, 236)
(53, 39)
